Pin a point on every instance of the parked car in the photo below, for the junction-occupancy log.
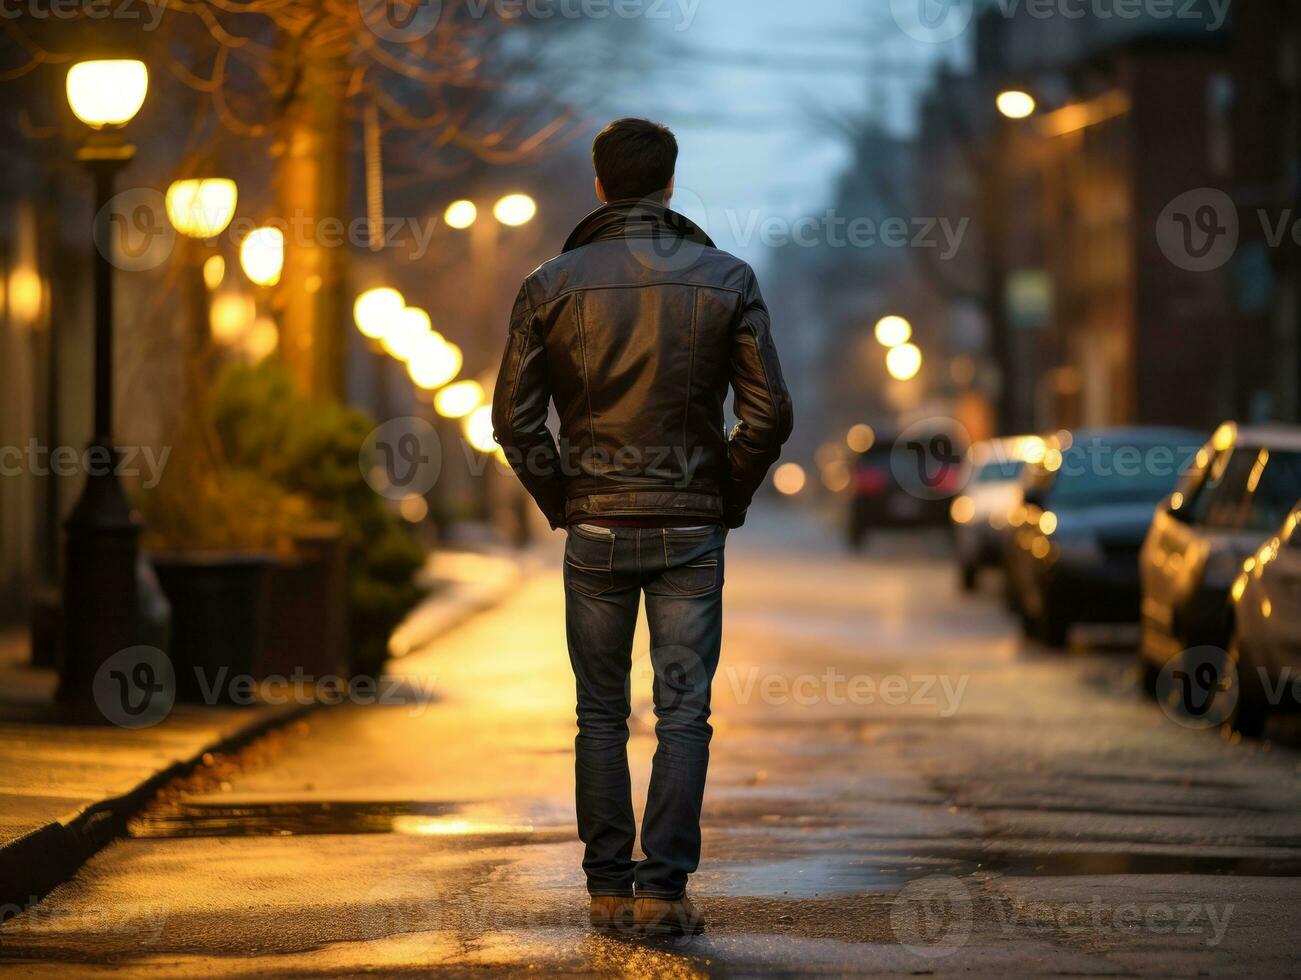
(878, 498)
(1243, 485)
(1088, 499)
(1266, 642)
(979, 514)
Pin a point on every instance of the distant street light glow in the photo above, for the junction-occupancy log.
(230, 317)
(108, 92)
(903, 362)
(1016, 104)
(459, 400)
(515, 209)
(413, 508)
(408, 331)
(261, 340)
(201, 208)
(891, 331)
(962, 510)
(836, 476)
(789, 478)
(461, 214)
(376, 309)
(478, 429)
(860, 438)
(262, 255)
(214, 271)
(434, 364)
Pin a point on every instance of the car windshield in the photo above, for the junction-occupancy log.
(1258, 490)
(999, 471)
(1101, 471)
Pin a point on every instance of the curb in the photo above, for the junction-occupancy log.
(33, 865)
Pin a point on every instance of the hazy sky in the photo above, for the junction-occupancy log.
(752, 88)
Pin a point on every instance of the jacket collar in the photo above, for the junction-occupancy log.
(635, 219)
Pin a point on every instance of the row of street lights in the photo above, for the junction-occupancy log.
(101, 546)
(406, 333)
(902, 359)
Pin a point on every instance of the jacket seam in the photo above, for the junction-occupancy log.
(638, 488)
(638, 285)
(691, 361)
(513, 401)
(587, 381)
(763, 368)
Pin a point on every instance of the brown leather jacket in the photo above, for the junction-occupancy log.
(636, 331)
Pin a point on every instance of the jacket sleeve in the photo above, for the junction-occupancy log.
(760, 402)
(519, 413)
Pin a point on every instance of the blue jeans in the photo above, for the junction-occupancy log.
(681, 572)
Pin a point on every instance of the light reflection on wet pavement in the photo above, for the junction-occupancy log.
(874, 730)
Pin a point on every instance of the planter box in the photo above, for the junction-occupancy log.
(308, 626)
(219, 617)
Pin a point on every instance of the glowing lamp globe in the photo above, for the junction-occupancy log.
(262, 255)
(515, 209)
(107, 93)
(461, 214)
(201, 208)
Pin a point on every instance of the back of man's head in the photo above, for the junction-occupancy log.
(635, 158)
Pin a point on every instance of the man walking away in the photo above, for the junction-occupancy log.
(635, 332)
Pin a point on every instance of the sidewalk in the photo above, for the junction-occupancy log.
(69, 782)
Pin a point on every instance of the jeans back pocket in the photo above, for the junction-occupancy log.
(589, 561)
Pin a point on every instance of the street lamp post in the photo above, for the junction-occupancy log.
(102, 534)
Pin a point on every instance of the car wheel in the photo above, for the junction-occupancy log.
(857, 538)
(1252, 708)
(1052, 625)
(1151, 674)
(967, 577)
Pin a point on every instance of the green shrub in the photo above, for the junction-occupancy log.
(309, 448)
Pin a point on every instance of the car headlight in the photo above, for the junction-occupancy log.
(1082, 548)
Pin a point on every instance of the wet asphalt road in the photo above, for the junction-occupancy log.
(899, 785)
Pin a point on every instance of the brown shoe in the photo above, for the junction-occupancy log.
(667, 917)
(612, 912)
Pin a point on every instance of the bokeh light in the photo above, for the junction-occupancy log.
(903, 362)
(262, 255)
(789, 478)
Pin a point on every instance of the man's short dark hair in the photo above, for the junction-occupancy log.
(635, 158)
